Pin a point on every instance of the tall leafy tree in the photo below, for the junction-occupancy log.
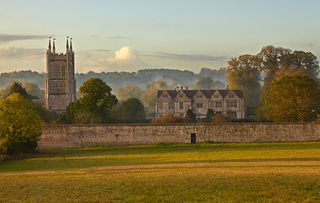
(95, 103)
(96, 96)
(20, 125)
(275, 58)
(271, 59)
(244, 73)
(306, 61)
(131, 110)
(291, 98)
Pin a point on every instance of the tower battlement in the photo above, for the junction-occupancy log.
(60, 88)
(57, 54)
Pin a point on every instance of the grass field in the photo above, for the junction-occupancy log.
(278, 172)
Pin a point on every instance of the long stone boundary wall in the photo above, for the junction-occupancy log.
(77, 136)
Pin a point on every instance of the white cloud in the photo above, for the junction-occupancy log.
(124, 54)
(125, 59)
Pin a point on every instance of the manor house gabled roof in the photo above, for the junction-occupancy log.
(208, 93)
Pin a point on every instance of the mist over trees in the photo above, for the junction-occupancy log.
(15, 87)
(116, 80)
(129, 91)
(142, 85)
(22, 76)
(206, 83)
(149, 97)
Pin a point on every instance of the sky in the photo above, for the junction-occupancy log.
(127, 35)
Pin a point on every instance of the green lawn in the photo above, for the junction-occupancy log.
(277, 172)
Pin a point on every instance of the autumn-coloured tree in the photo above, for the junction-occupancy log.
(292, 98)
(244, 74)
(20, 125)
(275, 58)
(270, 58)
(219, 119)
(171, 119)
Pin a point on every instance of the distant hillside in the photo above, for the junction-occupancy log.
(116, 80)
(22, 76)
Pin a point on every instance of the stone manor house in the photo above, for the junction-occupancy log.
(227, 102)
(60, 88)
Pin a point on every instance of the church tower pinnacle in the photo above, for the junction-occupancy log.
(71, 45)
(54, 45)
(49, 46)
(67, 46)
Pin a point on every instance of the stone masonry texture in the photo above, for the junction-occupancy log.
(77, 136)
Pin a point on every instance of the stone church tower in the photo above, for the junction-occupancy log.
(60, 81)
